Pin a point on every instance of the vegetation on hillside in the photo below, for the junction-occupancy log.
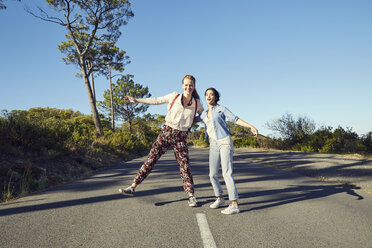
(42, 147)
(301, 135)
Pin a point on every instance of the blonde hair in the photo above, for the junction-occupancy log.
(194, 93)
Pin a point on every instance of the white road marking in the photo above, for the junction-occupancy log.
(205, 232)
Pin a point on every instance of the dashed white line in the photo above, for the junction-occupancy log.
(205, 232)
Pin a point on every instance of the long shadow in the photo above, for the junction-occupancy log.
(347, 167)
(290, 159)
(301, 193)
(90, 200)
(201, 201)
(199, 169)
(291, 194)
(60, 204)
(296, 194)
(279, 196)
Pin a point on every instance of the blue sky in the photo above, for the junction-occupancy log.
(267, 58)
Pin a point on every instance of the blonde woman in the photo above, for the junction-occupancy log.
(182, 109)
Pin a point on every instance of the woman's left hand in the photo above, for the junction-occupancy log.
(255, 132)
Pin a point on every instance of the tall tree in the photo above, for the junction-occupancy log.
(90, 25)
(101, 58)
(125, 110)
(113, 59)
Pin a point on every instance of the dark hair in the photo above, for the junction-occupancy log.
(194, 93)
(215, 92)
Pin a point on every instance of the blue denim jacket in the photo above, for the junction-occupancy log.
(219, 116)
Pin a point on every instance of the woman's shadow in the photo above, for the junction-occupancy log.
(278, 197)
(295, 193)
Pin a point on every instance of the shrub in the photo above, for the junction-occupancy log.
(201, 142)
(366, 141)
(245, 142)
(292, 130)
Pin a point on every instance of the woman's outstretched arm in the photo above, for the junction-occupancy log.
(246, 124)
(153, 100)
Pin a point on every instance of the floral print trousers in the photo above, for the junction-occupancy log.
(178, 140)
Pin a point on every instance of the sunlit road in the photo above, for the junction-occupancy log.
(279, 209)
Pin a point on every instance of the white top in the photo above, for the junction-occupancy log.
(211, 132)
(179, 117)
(210, 127)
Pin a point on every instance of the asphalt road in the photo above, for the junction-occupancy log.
(279, 209)
(352, 170)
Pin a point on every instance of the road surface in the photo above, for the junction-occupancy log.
(278, 209)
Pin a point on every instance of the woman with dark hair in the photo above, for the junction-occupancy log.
(182, 109)
(221, 149)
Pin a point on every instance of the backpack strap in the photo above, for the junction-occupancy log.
(196, 109)
(173, 101)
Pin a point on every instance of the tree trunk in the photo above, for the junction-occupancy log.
(112, 104)
(92, 102)
(90, 65)
(130, 126)
(93, 108)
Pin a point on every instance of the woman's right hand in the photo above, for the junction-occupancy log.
(129, 98)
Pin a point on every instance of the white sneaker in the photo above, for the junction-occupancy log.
(192, 201)
(218, 203)
(231, 210)
(128, 190)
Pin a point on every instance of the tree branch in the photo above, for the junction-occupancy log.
(46, 18)
(70, 29)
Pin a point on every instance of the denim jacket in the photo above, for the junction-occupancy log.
(219, 116)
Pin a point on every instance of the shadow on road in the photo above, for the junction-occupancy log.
(277, 197)
(294, 193)
(168, 168)
(60, 204)
(337, 165)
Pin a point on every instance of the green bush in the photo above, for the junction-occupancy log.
(342, 141)
(366, 141)
(303, 148)
(245, 142)
(201, 141)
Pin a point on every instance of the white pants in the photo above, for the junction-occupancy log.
(221, 153)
